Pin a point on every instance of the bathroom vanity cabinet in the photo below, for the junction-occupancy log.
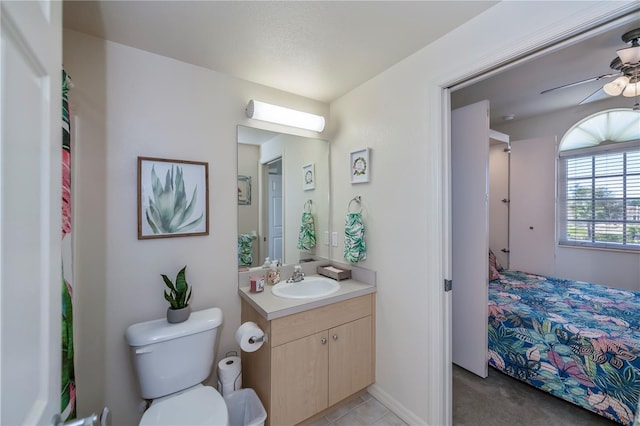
(312, 359)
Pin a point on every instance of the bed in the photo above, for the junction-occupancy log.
(576, 340)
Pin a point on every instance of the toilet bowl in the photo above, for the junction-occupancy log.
(200, 405)
(171, 362)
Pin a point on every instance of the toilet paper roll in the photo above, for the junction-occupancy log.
(229, 375)
(247, 335)
(229, 368)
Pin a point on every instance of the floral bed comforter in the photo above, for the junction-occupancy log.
(575, 340)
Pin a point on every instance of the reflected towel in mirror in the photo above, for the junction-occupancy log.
(245, 249)
(307, 236)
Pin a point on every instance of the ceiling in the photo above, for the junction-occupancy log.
(517, 89)
(323, 49)
(317, 49)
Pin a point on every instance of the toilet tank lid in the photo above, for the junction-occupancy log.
(149, 332)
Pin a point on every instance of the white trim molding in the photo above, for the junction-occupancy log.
(394, 405)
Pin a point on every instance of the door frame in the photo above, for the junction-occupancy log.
(579, 26)
(269, 250)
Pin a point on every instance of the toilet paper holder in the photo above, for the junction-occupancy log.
(258, 339)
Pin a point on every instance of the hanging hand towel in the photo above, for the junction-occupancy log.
(307, 236)
(245, 249)
(355, 248)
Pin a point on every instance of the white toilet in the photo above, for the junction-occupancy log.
(171, 362)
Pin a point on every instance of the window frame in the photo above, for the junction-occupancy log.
(608, 147)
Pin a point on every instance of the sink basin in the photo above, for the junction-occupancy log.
(308, 288)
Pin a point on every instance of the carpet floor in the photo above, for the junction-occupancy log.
(501, 400)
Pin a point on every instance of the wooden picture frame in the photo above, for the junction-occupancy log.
(173, 198)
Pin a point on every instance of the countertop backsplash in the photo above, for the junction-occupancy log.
(363, 275)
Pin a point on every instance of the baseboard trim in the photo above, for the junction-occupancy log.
(392, 404)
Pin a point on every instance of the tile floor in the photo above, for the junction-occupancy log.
(360, 410)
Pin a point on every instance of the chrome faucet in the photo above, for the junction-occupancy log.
(297, 276)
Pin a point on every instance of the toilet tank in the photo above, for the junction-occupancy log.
(171, 357)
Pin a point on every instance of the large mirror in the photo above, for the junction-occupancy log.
(283, 197)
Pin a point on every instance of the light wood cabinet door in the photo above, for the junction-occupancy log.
(299, 387)
(350, 358)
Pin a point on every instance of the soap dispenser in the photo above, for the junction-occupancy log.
(273, 276)
(266, 264)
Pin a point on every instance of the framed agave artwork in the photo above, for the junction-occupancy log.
(173, 198)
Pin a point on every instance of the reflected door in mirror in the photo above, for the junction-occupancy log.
(275, 211)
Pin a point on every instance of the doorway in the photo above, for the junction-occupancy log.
(274, 209)
(479, 83)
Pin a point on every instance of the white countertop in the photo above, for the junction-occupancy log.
(272, 307)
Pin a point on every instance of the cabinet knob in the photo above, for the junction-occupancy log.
(324, 340)
(335, 337)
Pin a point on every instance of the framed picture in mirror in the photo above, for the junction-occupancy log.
(308, 177)
(173, 198)
(244, 190)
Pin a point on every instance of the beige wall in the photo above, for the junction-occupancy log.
(398, 114)
(128, 103)
(298, 153)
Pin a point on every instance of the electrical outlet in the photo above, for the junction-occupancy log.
(334, 239)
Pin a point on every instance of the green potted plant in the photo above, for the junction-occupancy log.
(178, 296)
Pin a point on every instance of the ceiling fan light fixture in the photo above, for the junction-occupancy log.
(615, 87)
(631, 90)
(629, 55)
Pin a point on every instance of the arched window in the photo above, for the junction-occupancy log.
(599, 181)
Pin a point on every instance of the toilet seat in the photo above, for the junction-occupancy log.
(201, 405)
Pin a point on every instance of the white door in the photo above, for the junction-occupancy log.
(532, 221)
(30, 211)
(275, 217)
(470, 235)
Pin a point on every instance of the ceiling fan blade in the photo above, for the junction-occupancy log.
(564, 86)
(598, 95)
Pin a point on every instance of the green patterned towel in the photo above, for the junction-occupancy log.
(307, 236)
(355, 248)
(245, 249)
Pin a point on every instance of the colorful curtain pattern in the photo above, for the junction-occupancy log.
(307, 235)
(355, 248)
(68, 390)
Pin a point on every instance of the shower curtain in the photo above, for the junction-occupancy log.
(68, 389)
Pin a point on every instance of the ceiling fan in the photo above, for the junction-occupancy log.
(627, 67)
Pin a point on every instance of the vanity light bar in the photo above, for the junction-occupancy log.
(281, 115)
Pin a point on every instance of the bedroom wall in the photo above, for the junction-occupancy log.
(127, 103)
(615, 268)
